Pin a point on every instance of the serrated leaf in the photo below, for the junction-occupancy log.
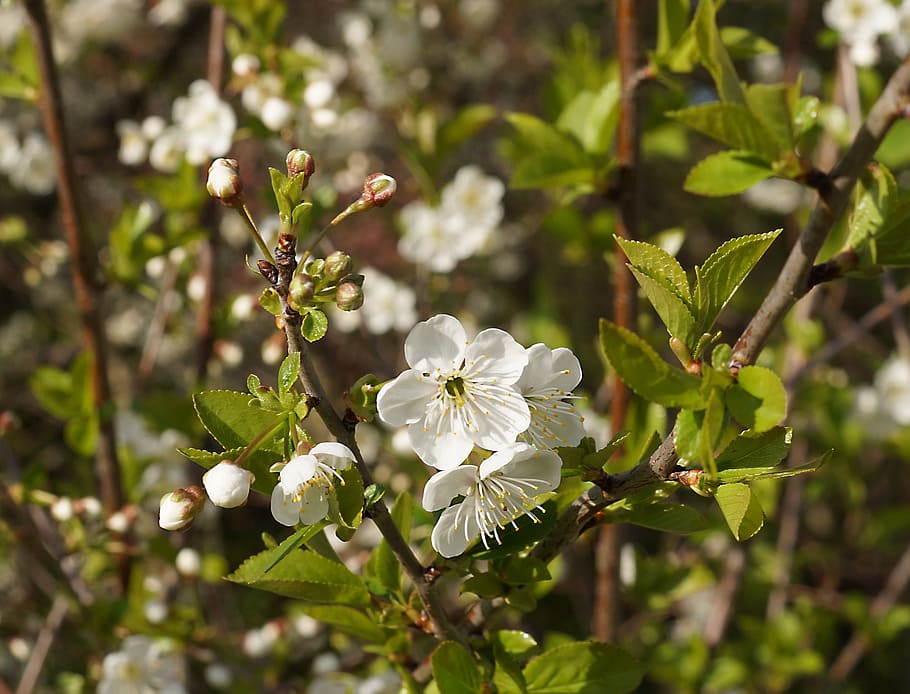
(658, 264)
(740, 509)
(673, 311)
(315, 325)
(724, 271)
(668, 518)
(713, 54)
(454, 670)
(640, 368)
(288, 372)
(382, 562)
(581, 668)
(592, 116)
(235, 419)
(727, 173)
(270, 301)
(258, 462)
(774, 105)
(730, 123)
(756, 449)
(871, 204)
(758, 399)
(769, 473)
(349, 620)
(507, 676)
(303, 575)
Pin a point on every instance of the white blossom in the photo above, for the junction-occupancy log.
(134, 147)
(276, 113)
(495, 494)
(305, 483)
(142, 666)
(892, 383)
(188, 562)
(387, 305)
(860, 23)
(9, 148)
(35, 170)
(546, 384)
(458, 392)
(206, 123)
(227, 484)
(167, 150)
(429, 238)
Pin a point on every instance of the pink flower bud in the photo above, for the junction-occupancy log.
(379, 188)
(349, 294)
(300, 161)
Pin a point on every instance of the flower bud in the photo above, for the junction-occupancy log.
(224, 182)
(228, 484)
(178, 509)
(349, 295)
(301, 290)
(300, 161)
(379, 188)
(337, 265)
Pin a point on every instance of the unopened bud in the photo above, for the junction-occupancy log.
(228, 484)
(178, 509)
(337, 265)
(349, 295)
(300, 161)
(378, 189)
(224, 182)
(301, 291)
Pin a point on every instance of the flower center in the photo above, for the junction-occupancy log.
(455, 387)
(322, 479)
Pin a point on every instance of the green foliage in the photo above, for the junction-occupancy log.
(549, 158)
(454, 670)
(383, 568)
(727, 173)
(68, 395)
(757, 399)
(583, 667)
(740, 509)
(234, 419)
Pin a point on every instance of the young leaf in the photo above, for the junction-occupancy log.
(672, 18)
(713, 54)
(732, 124)
(673, 311)
(771, 473)
(584, 666)
(288, 372)
(303, 575)
(235, 419)
(507, 676)
(552, 158)
(741, 510)
(645, 372)
(349, 620)
(723, 272)
(758, 399)
(515, 643)
(668, 518)
(315, 325)
(270, 301)
(655, 262)
(756, 449)
(727, 173)
(773, 105)
(454, 670)
(349, 496)
(592, 117)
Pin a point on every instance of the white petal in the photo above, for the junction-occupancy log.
(554, 423)
(534, 464)
(299, 470)
(440, 448)
(405, 400)
(494, 355)
(455, 530)
(444, 486)
(494, 415)
(333, 453)
(284, 510)
(567, 368)
(436, 343)
(314, 505)
(501, 458)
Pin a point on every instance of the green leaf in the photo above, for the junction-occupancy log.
(279, 182)
(382, 562)
(234, 419)
(301, 212)
(551, 157)
(724, 271)
(756, 449)
(732, 124)
(258, 462)
(288, 372)
(507, 677)
(713, 54)
(349, 496)
(668, 518)
(592, 117)
(315, 325)
(584, 667)
(727, 173)
(757, 399)
(891, 243)
(454, 670)
(697, 432)
(773, 105)
(515, 643)
(742, 43)
(672, 19)
(658, 264)
(805, 115)
(303, 575)
(520, 571)
(483, 585)
(466, 123)
(349, 620)
(769, 473)
(645, 372)
(741, 510)
(673, 310)
(270, 301)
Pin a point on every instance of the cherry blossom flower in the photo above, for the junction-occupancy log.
(228, 484)
(304, 484)
(498, 492)
(142, 665)
(457, 393)
(860, 22)
(206, 123)
(546, 384)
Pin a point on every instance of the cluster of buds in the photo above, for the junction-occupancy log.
(325, 280)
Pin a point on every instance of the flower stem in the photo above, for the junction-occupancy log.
(256, 442)
(248, 218)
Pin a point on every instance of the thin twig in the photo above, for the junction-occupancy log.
(727, 589)
(32, 671)
(85, 271)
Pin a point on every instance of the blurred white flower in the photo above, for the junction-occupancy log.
(12, 22)
(388, 682)
(318, 93)
(387, 305)
(188, 562)
(169, 13)
(166, 152)
(892, 383)
(218, 675)
(276, 113)
(142, 665)
(860, 23)
(152, 127)
(9, 147)
(62, 509)
(206, 123)
(245, 65)
(429, 238)
(35, 171)
(99, 20)
(899, 36)
(155, 611)
(133, 145)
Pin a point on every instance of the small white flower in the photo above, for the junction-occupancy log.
(497, 493)
(860, 23)
(62, 509)
(476, 199)
(188, 562)
(206, 123)
(546, 384)
(457, 393)
(429, 238)
(228, 484)
(9, 146)
(35, 171)
(304, 484)
(893, 385)
(276, 113)
(155, 611)
(245, 65)
(142, 665)
(218, 675)
(134, 147)
(167, 150)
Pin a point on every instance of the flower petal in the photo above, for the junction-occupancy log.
(532, 464)
(444, 486)
(314, 505)
(567, 369)
(501, 458)
(333, 453)
(494, 355)
(405, 400)
(455, 530)
(284, 510)
(299, 470)
(494, 415)
(436, 446)
(437, 343)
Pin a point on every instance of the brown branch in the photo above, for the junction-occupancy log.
(32, 671)
(727, 589)
(792, 281)
(86, 280)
